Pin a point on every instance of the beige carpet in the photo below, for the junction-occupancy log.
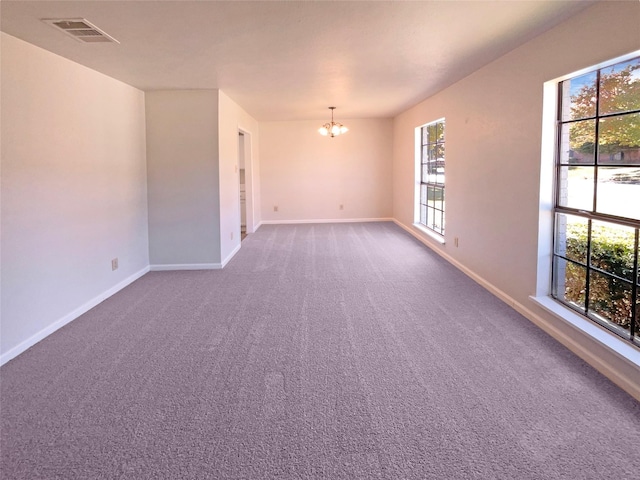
(346, 351)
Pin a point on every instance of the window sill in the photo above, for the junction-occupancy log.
(435, 236)
(600, 334)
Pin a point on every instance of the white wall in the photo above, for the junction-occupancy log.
(73, 191)
(232, 119)
(182, 165)
(309, 176)
(493, 151)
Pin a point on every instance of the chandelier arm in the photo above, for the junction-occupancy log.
(333, 128)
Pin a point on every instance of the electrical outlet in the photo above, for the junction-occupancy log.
(231, 235)
(275, 208)
(455, 242)
(341, 207)
(114, 264)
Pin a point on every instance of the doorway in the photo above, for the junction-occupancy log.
(243, 192)
(246, 210)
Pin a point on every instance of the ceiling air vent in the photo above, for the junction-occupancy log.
(80, 29)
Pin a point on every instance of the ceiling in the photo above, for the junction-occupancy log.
(291, 60)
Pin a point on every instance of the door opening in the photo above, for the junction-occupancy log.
(243, 191)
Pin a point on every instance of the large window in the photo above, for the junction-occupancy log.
(597, 205)
(431, 201)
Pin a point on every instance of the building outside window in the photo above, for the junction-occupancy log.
(597, 205)
(432, 163)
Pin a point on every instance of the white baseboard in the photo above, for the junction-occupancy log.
(612, 367)
(167, 267)
(230, 256)
(324, 220)
(45, 332)
(621, 350)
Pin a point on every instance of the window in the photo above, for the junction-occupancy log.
(431, 171)
(597, 201)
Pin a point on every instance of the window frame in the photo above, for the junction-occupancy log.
(423, 189)
(592, 215)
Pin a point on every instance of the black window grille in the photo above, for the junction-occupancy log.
(597, 205)
(432, 165)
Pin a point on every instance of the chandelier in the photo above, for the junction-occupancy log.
(332, 129)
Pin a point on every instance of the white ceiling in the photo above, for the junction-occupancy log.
(291, 60)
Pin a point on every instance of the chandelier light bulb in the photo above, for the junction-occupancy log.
(332, 128)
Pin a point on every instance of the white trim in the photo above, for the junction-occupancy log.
(621, 352)
(418, 230)
(166, 267)
(602, 335)
(250, 208)
(622, 357)
(230, 256)
(547, 181)
(426, 230)
(45, 332)
(417, 174)
(325, 220)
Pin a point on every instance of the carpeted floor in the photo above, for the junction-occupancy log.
(335, 351)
